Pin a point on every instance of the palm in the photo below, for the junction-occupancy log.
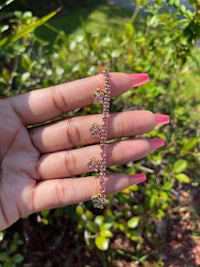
(18, 169)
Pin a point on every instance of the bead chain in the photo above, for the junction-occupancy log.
(103, 97)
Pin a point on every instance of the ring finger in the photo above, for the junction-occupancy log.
(73, 162)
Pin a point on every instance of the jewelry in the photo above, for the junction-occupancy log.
(101, 96)
(95, 130)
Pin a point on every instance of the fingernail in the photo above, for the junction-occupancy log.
(156, 143)
(137, 178)
(161, 119)
(138, 78)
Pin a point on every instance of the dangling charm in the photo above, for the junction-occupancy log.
(98, 201)
(98, 96)
(95, 130)
(93, 165)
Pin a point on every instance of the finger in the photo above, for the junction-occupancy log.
(60, 192)
(44, 104)
(75, 131)
(74, 162)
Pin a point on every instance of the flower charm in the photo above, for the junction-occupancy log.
(98, 96)
(95, 130)
(93, 165)
(98, 201)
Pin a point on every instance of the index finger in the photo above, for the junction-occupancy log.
(44, 104)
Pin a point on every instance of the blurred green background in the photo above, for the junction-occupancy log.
(154, 224)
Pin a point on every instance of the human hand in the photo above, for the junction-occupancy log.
(37, 162)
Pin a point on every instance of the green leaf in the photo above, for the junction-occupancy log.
(99, 219)
(179, 166)
(89, 215)
(1, 236)
(189, 144)
(133, 222)
(106, 233)
(102, 243)
(25, 76)
(105, 226)
(167, 186)
(3, 256)
(45, 213)
(183, 178)
(26, 29)
(9, 264)
(79, 210)
(92, 227)
(17, 258)
(130, 30)
(6, 3)
(164, 195)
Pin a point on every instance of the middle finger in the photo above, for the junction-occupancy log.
(74, 131)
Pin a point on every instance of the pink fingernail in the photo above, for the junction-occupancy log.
(137, 178)
(161, 119)
(138, 78)
(156, 143)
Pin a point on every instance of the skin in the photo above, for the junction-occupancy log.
(37, 162)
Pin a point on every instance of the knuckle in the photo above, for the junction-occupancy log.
(59, 101)
(74, 191)
(60, 191)
(123, 123)
(70, 163)
(99, 80)
(73, 133)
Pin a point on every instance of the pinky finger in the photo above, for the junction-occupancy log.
(55, 193)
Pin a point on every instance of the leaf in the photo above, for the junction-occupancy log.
(89, 215)
(102, 243)
(45, 213)
(79, 210)
(189, 144)
(167, 186)
(26, 29)
(179, 166)
(1, 236)
(25, 76)
(17, 258)
(105, 226)
(92, 227)
(133, 222)
(6, 3)
(99, 219)
(106, 233)
(3, 256)
(183, 178)
(164, 195)
(130, 30)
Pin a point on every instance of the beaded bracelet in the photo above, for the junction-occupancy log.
(101, 96)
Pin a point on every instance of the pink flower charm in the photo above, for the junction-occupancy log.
(93, 165)
(98, 96)
(95, 130)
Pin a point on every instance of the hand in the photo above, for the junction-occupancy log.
(37, 162)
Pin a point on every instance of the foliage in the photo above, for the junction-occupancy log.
(160, 42)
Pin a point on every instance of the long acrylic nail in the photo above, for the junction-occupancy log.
(156, 143)
(137, 178)
(161, 119)
(138, 78)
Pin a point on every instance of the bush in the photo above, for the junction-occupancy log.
(159, 42)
